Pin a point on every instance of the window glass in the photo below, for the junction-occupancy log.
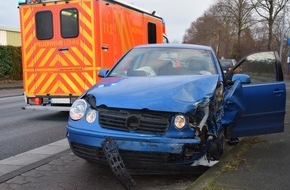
(165, 61)
(152, 39)
(260, 69)
(69, 23)
(44, 25)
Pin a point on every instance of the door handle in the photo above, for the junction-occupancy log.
(63, 49)
(278, 92)
(105, 48)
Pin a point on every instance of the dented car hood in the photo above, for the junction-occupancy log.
(170, 94)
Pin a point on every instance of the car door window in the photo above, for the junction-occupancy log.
(260, 70)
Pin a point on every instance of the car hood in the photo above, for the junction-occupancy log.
(164, 93)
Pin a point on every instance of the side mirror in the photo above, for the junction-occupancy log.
(245, 79)
(103, 73)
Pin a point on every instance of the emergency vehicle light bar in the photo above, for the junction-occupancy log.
(22, 2)
(37, 1)
(46, 1)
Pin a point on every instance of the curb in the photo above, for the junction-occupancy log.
(10, 87)
(11, 84)
(21, 163)
(10, 92)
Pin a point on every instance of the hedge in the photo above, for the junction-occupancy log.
(10, 63)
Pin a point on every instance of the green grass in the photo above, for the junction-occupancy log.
(213, 186)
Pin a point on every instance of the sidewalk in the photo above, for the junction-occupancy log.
(10, 84)
(256, 163)
(29, 160)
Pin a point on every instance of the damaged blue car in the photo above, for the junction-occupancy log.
(168, 105)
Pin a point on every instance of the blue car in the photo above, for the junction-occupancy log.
(171, 105)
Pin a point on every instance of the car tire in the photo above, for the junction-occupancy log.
(217, 148)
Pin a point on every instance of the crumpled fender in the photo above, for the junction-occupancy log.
(233, 103)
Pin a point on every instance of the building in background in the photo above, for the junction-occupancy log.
(10, 36)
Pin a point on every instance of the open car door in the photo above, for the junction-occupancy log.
(263, 95)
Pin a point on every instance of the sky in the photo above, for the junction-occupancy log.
(178, 15)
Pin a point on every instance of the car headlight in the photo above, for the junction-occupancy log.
(179, 121)
(78, 109)
(91, 116)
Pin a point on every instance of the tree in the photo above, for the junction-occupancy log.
(238, 15)
(223, 25)
(210, 30)
(269, 11)
(201, 31)
(237, 27)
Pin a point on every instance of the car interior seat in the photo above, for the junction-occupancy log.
(166, 68)
(197, 65)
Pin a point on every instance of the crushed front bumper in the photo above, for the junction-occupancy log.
(146, 149)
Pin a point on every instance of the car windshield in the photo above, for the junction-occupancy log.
(158, 61)
(226, 63)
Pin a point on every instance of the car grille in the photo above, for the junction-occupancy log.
(135, 120)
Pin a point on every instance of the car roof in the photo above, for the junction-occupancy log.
(226, 60)
(169, 45)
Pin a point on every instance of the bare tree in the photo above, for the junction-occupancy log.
(224, 24)
(238, 14)
(202, 31)
(269, 10)
(237, 27)
(210, 29)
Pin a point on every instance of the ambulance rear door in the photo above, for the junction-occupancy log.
(62, 49)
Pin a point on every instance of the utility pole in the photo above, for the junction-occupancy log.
(288, 53)
(282, 32)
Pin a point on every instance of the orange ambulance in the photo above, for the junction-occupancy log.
(66, 42)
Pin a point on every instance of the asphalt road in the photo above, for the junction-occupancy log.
(23, 130)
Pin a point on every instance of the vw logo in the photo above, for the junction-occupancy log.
(132, 122)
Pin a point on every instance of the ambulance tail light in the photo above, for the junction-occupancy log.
(35, 101)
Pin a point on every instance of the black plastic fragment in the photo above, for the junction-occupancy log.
(116, 163)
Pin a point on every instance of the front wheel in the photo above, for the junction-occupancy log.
(217, 148)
